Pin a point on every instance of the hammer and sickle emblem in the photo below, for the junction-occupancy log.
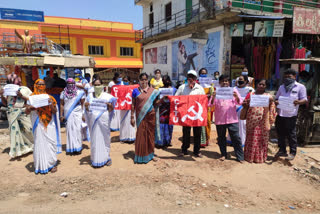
(197, 115)
(126, 101)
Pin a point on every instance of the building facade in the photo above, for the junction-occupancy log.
(220, 35)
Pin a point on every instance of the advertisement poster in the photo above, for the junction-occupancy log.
(236, 30)
(278, 28)
(162, 55)
(151, 56)
(306, 21)
(263, 28)
(248, 29)
(188, 54)
(23, 15)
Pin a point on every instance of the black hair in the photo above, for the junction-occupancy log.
(245, 77)
(155, 71)
(260, 80)
(223, 76)
(97, 79)
(55, 75)
(216, 72)
(126, 76)
(48, 72)
(304, 73)
(115, 76)
(87, 74)
(166, 81)
(203, 69)
(290, 72)
(142, 75)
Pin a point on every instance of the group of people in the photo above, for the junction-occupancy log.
(88, 110)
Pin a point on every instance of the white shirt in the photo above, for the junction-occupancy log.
(112, 84)
(186, 90)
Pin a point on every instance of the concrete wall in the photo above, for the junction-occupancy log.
(167, 68)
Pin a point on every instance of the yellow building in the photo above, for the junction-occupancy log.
(112, 44)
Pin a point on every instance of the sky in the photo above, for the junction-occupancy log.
(107, 10)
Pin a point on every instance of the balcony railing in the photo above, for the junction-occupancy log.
(185, 17)
(197, 13)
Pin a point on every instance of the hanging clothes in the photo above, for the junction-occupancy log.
(300, 53)
(307, 66)
(278, 53)
(266, 68)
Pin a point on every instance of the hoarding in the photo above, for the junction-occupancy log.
(22, 15)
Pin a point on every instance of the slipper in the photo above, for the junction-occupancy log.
(54, 169)
(109, 163)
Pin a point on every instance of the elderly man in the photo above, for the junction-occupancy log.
(191, 88)
(286, 120)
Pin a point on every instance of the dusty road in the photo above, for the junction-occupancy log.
(172, 185)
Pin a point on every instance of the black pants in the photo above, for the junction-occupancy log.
(186, 139)
(286, 129)
(233, 130)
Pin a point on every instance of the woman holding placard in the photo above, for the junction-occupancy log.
(243, 90)
(71, 102)
(165, 129)
(99, 109)
(259, 121)
(21, 138)
(46, 131)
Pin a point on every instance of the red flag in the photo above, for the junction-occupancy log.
(190, 110)
(123, 93)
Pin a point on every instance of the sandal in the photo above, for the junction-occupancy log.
(109, 163)
(223, 158)
(155, 159)
(54, 169)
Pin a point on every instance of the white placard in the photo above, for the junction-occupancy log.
(165, 92)
(98, 105)
(216, 83)
(224, 93)
(83, 125)
(243, 91)
(205, 82)
(259, 101)
(40, 100)
(278, 28)
(286, 104)
(10, 90)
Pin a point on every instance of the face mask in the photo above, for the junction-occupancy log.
(125, 83)
(240, 82)
(245, 73)
(203, 75)
(88, 79)
(216, 76)
(98, 90)
(288, 81)
(119, 79)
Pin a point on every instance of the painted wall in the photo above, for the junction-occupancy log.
(211, 54)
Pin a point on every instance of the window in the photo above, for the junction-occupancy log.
(151, 7)
(151, 20)
(95, 50)
(66, 47)
(168, 12)
(126, 51)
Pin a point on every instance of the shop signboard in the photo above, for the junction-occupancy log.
(306, 21)
(236, 30)
(263, 28)
(248, 29)
(278, 28)
(22, 15)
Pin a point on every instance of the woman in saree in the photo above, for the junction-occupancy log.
(99, 109)
(71, 102)
(165, 129)
(21, 138)
(259, 121)
(46, 132)
(144, 106)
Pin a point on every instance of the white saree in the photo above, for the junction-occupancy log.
(47, 143)
(99, 128)
(73, 116)
(127, 132)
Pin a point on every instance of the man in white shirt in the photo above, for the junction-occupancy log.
(191, 88)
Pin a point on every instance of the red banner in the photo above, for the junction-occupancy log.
(189, 110)
(123, 93)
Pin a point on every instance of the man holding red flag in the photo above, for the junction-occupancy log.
(191, 88)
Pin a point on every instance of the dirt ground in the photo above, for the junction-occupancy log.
(171, 185)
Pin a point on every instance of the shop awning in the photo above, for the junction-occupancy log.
(261, 17)
(116, 62)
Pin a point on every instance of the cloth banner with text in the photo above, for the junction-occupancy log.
(189, 110)
(123, 93)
